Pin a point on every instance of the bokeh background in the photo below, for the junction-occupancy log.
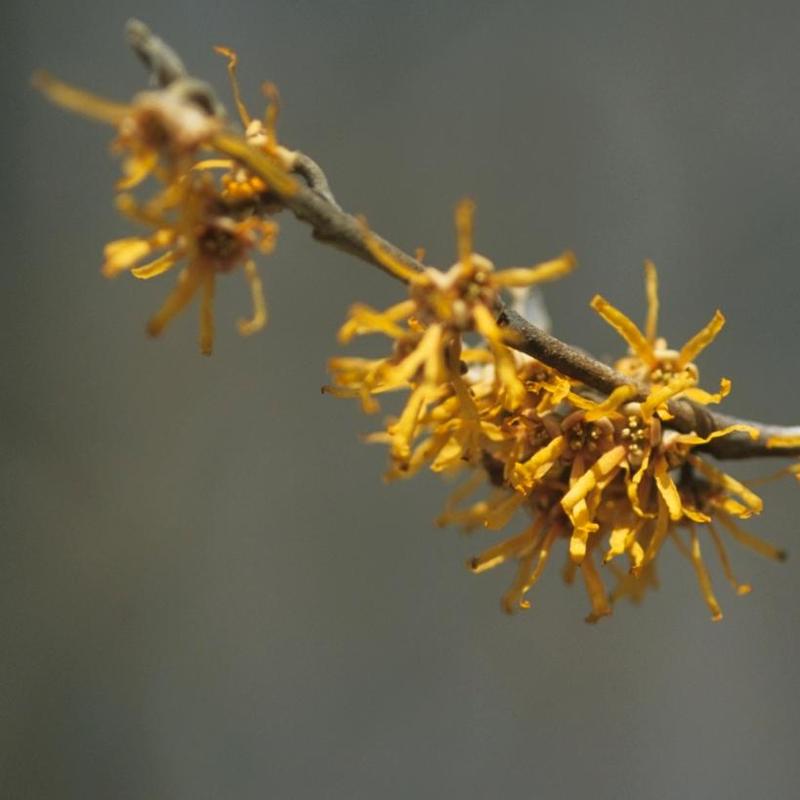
(206, 591)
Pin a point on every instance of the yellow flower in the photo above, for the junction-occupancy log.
(159, 132)
(650, 360)
(601, 477)
(188, 228)
(455, 302)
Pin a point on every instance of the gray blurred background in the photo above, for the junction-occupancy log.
(206, 591)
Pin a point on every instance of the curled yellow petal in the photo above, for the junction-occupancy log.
(499, 516)
(247, 327)
(729, 483)
(595, 590)
(74, 99)
(188, 282)
(752, 542)
(137, 167)
(404, 430)
(660, 531)
(667, 489)
(657, 399)
(651, 290)
(633, 486)
(530, 276)
(465, 213)
(693, 438)
(122, 254)
(157, 267)
(386, 257)
(516, 547)
(701, 340)
(603, 467)
(622, 538)
(233, 60)
(703, 578)
(525, 475)
(620, 395)
(701, 396)
(363, 320)
(722, 553)
(626, 328)
(529, 573)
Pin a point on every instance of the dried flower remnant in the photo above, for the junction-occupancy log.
(162, 134)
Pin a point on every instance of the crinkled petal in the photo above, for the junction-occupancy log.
(701, 340)
(626, 328)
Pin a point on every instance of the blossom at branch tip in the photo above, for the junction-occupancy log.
(162, 134)
(650, 359)
(159, 132)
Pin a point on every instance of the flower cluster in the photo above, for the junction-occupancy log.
(206, 212)
(606, 475)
